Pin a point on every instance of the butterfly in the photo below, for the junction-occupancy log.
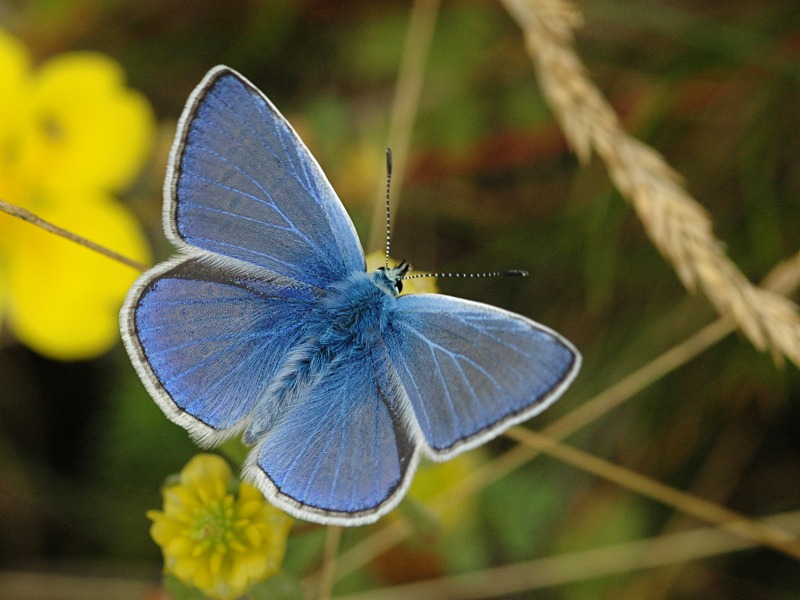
(267, 325)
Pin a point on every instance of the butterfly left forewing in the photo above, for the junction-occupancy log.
(471, 370)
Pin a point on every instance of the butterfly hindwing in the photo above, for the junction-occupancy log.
(471, 370)
(346, 454)
(206, 341)
(242, 184)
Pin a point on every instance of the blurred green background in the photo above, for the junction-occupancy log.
(491, 185)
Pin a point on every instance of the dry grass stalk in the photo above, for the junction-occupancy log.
(688, 504)
(575, 566)
(676, 223)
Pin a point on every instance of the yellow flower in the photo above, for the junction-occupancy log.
(217, 541)
(71, 136)
(423, 285)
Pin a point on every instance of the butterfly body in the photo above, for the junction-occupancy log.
(347, 322)
(356, 311)
(266, 324)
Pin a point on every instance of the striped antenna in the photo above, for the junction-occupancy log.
(511, 273)
(388, 209)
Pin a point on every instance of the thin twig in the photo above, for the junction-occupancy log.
(723, 468)
(26, 215)
(577, 566)
(332, 542)
(733, 522)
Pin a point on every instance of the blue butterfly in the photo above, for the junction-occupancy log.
(266, 324)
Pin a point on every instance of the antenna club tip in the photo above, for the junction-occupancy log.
(516, 273)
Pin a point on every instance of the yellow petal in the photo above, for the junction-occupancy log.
(208, 475)
(181, 503)
(253, 566)
(65, 298)
(180, 548)
(253, 536)
(165, 530)
(155, 515)
(88, 128)
(14, 65)
(14, 106)
(249, 493)
(248, 508)
(186, 568)
(215, 564)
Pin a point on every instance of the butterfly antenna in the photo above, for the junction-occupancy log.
(388, 208)
(510, 273)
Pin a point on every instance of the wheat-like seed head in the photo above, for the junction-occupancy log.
(678, 226)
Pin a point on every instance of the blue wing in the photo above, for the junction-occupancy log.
(242, 184)
(472, 370)
(206, 341)
(345, 455)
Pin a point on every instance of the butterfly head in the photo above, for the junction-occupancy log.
(390, 279)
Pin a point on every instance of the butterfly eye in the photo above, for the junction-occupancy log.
(399, 285)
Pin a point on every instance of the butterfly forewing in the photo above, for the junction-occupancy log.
(243, 185)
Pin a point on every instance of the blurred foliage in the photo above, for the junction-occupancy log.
(491, 185)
